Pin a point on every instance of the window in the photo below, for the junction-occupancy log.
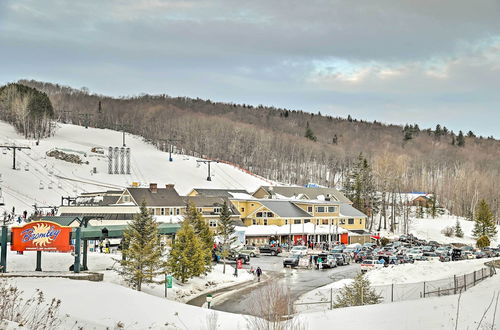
(258, 214)
(324, 221)
(286, 221)
(350, 221)
(162, 211)
(309, 209)
(212, 223)
(252, 204)
(126, 199)
(254, 221)
(199, 209)
(320, 209)
(242, 209)
(331, 209)
(360, 221)
(217, 210)
(265, 222)
(170, 211)
(177, 211)
(342, 221)
(307, 220)
(270, 214)
(297, 221)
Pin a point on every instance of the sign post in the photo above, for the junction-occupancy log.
(40, 236)
(168, 283)
(209, 300)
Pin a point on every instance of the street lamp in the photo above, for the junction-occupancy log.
(209, 300)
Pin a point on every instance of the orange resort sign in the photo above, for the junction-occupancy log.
(41, 236)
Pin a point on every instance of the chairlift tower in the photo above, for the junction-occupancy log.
(169, 141)
(206, 161)
(14, 148)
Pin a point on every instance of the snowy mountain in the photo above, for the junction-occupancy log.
(43, 180)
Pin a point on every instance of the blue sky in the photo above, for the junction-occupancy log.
(400, 61)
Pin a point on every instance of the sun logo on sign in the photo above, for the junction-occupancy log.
(38, 232)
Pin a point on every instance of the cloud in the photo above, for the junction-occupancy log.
(362, 58)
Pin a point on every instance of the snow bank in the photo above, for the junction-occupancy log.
(423, 271)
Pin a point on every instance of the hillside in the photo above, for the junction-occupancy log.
(271, 143)
(43, 180)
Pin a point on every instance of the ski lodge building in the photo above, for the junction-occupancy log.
(270, 213)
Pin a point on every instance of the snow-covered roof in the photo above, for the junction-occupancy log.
(169, 218)
(346, 210)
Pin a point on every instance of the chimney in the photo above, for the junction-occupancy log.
(169, 186)
(153, 187)
(328, 197)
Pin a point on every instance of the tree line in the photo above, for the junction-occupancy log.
(297, 147)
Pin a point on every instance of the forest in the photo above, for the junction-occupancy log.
(27, 109)
(297, 147)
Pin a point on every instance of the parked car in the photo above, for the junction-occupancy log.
(252, 251)
(273, 250)
(234, 256)
(468, 255)
(324, 260)
(342, 259)
(292, 261)
(414, 253)
(431, 256)
(370, 264)
(300, 249)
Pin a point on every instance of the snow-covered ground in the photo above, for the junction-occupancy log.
(430, 229)
(58, 178)
(103, 263)
(407, 277)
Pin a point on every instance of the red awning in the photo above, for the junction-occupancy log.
(375, 237)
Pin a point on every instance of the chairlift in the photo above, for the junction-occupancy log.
(18, 166)
(41, 186)
(26, 167)
(50, 185)
(4, 151)
(59, 185)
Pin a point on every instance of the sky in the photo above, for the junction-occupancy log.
(401, 61)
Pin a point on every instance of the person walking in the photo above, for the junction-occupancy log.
(258, 272)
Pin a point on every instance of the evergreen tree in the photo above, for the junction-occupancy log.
(359, 186)
(357, 294)
(143, 252)
(225, 231)
(471, 134)
(483, 242)
(432, 208)
(484, 224)
(458, 230)
(202, 230)
(460, 139)
(187, 258)
(349, 118)
(438, 132)
(420, 211)
(310, 134)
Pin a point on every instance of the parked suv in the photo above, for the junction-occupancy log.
(252, 251)
(273, 250)
(302, 250)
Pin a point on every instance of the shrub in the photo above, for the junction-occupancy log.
(448, 231)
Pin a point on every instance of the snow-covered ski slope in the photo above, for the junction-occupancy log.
(43, 180)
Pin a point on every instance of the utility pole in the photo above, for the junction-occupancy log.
(86, 118)
(14, 148)
(208, 162)
(171, 146)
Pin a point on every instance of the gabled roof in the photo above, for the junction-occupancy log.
(162, 197)
(348, 211)
(219, 192)
(62, 220)
(285, 209)
(312, 193)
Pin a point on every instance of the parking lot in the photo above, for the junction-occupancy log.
(298, 280)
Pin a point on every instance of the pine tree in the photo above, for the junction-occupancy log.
(359, 186)
(187, 258)
(420, 211)
(357, 294)
(143, 252)
(310, 134)
(201, 230)
(437, 131)
(484, 224)
(460, 139)
(225, 231)
(483, 242)
(432, 208)
(458, 230)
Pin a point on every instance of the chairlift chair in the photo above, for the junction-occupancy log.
(41, 186)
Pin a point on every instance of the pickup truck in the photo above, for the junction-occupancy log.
(367, 265)
(273, 250)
